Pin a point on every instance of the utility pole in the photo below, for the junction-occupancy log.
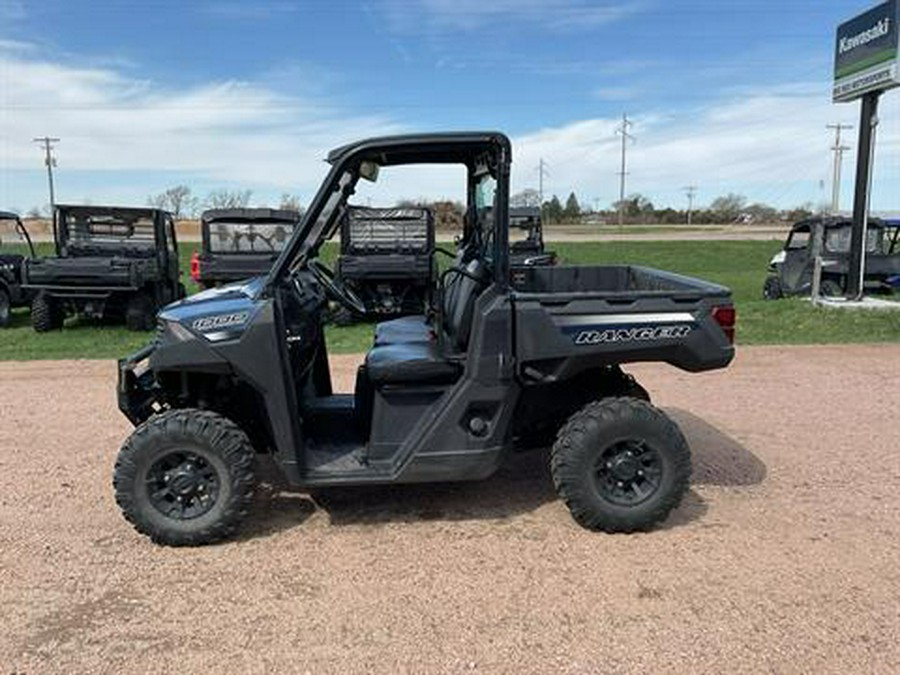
(690, 190)
(49, 162)
(838, 151)
(623, 131)
(542, 172)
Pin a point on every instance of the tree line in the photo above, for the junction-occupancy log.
(638, 209)
(182, 203)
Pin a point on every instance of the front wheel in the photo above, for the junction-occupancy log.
(772, 289)
(620, 465)
(185, 477)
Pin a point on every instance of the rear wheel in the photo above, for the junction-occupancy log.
(772, 289)
(46, 313)
(140, 313)
(5, 308)
(620, 465)
(185, 477)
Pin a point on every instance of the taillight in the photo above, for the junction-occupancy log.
(195, 266)
(726, 317)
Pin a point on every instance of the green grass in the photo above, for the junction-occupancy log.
(739, 265)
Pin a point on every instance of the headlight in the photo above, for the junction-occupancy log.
(172, 331)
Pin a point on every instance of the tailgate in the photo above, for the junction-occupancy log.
(117, 273)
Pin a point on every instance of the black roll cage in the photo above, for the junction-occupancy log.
(479, 151)
(20, 228)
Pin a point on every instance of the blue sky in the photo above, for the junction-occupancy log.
(729, 96)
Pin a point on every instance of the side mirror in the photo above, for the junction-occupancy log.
(368, 170)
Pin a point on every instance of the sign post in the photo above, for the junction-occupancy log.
(865, 65)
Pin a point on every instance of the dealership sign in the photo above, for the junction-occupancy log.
(865, 56)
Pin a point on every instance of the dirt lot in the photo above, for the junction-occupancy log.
(784, 557)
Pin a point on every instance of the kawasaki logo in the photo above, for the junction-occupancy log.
(880, 29)
(221, 321)
(613, 335)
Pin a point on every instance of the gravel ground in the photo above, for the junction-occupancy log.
(783, 558)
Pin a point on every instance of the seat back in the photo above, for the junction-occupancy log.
(461, 293)
(451, 285)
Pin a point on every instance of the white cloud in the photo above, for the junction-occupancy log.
(467, 15)
(771, 146)
(229, 131)
(16, 45)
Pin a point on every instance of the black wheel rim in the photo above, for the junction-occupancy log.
(182, 485)
(628, 473)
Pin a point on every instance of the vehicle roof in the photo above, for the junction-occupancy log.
(260, 214)
(830, 222)
(110, 210)
(524, 211)
(428, 148)
(8, 215)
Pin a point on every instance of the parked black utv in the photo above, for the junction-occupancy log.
(12, 294)
(387, 259)
(528, 250)
(502, 361)
(791, 269)
(112, 263)
(240, 243)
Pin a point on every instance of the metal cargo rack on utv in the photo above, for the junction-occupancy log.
(239, 244)
(791, 269)
(504, 360)
(387, 259)
(113, 263)
(12, 294)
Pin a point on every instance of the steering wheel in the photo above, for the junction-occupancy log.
(334, 289)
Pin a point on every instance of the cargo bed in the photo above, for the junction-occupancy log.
(618, 314)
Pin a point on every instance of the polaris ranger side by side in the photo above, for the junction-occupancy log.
(111, 263)
(12, 294)
(238, 244)
(528, 250)
(387, 260)
(504, 360)
(791, 269)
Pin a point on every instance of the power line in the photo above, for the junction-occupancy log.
(49, 162)
(623, 131)
(838, 151)
(690, 190)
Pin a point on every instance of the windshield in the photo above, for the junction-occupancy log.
(243, 237)
(327, 218)
(113, 231)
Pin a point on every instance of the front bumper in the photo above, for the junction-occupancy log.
(137, 387)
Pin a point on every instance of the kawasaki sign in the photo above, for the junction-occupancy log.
(865, 56)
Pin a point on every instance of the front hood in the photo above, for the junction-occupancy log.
(218, 313)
